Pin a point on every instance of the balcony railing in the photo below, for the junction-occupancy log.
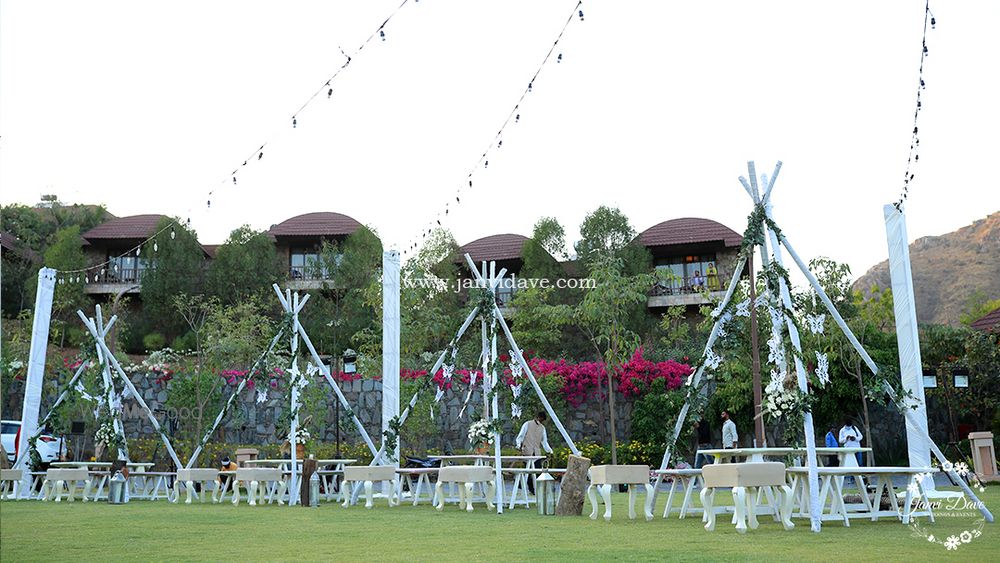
(308, 273)
(121, 275)
(689, 285)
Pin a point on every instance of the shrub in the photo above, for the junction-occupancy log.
(186, 341)
(154, 341)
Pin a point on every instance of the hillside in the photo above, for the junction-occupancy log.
(948, 269)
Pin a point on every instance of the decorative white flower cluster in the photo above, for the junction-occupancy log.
(779, 400)
(105, 434)
(261, 396)
(480, 433)
(712, 360)
(301, 436)
(775, 349)
(743, 308)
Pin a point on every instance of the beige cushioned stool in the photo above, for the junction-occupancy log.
(740, 477)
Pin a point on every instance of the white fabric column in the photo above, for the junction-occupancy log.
(907, 338)
(390, 344)
(36, 366)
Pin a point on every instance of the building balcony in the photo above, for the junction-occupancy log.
(689, 291)
(115, 282)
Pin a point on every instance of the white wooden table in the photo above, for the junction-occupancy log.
(831, 489)
(329, 477)
(681, 480)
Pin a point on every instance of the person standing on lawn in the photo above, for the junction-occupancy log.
(850, 437)
(831, 442)
(532, 440)
(730, 439)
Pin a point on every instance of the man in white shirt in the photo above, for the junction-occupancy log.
(730, 439)
(850, 437)
(532, 440)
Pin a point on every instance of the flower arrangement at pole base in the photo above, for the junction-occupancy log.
(481, 434)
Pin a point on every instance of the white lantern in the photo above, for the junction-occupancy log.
(545, 494)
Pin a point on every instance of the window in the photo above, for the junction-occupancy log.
(505, 291)
(305, 264)
(690, 272)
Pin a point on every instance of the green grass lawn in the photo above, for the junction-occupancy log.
(144, 530)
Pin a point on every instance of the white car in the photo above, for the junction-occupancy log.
(50, 448)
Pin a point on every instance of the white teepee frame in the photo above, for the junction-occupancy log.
(487, 277)
(777, 242)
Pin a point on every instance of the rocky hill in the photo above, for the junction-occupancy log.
(948, 270)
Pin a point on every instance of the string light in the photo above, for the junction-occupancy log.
(327, 84)
(513, 117)
(914, 157)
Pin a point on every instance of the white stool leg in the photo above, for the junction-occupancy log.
(631, 502)
(592, 495)
(468, 496)
(59, 486)
(368, 495)
(650, 499)
(606, 496)
(752, 509)
(706, 502)
(190, 491)
(44, 492)
(786, 507)
(236, 492)
(491, 491)
(345, 492)
(439, 496)
(740, 502)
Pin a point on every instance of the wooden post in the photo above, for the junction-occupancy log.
(308, 468)
(573, 487)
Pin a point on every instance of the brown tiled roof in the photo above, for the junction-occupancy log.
(321, 223)
(11, 243)
(8, 241)
(990, 322)
(494, 247)
(687, 231)
(210, 249)
(132, 227)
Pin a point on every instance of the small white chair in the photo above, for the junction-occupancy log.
(257, 480)
(189, 477)
(10, 479)
(740, 477)
(603, 476)
(52, 486)
(466, 477)
(368, 474)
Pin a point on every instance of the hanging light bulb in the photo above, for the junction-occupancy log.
(381, 33)
(138, 249)
(559, 58)
(933, 22)
(294, 122)
(102, 272)
(173, 234)
(922, 83)
(156, 247)
(581, 15)
(87, 278)
(529, 86)
(486, 164)
(329, 93)
(918, 104)
(457, 200)
(260, 155)
(244, 163)
(914, 129)
(209, 203)
(517, 118)
(500, 143)
(470, 183)
(116, 266)
(925, 48)
(234, 180)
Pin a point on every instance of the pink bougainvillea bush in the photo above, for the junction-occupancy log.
(579, 382)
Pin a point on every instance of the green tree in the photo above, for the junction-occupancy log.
(66, 254)
(977, 306)
(177, 267)
(245, 265)
(605, 315)
(607, 233)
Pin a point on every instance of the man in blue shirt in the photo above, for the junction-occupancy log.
(831, 442)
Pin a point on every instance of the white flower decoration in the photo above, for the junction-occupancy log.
(261, 396)
(947, 466)
(952, 543)
(913, 489)
(743, 308)
(965, 536)
(962, 468)
(712, 360)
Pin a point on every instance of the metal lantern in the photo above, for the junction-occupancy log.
(350, 361)
(314, 490)
(116, 489)
(545, 494)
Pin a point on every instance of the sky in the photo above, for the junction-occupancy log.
(655, 108)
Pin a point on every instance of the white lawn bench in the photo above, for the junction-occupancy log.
(466, 477)
(52, 486)
(10, 479)
(603, 476)
(740, 477)
(681, 480)
(368, 474)
(189, 477)
(258, 480)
